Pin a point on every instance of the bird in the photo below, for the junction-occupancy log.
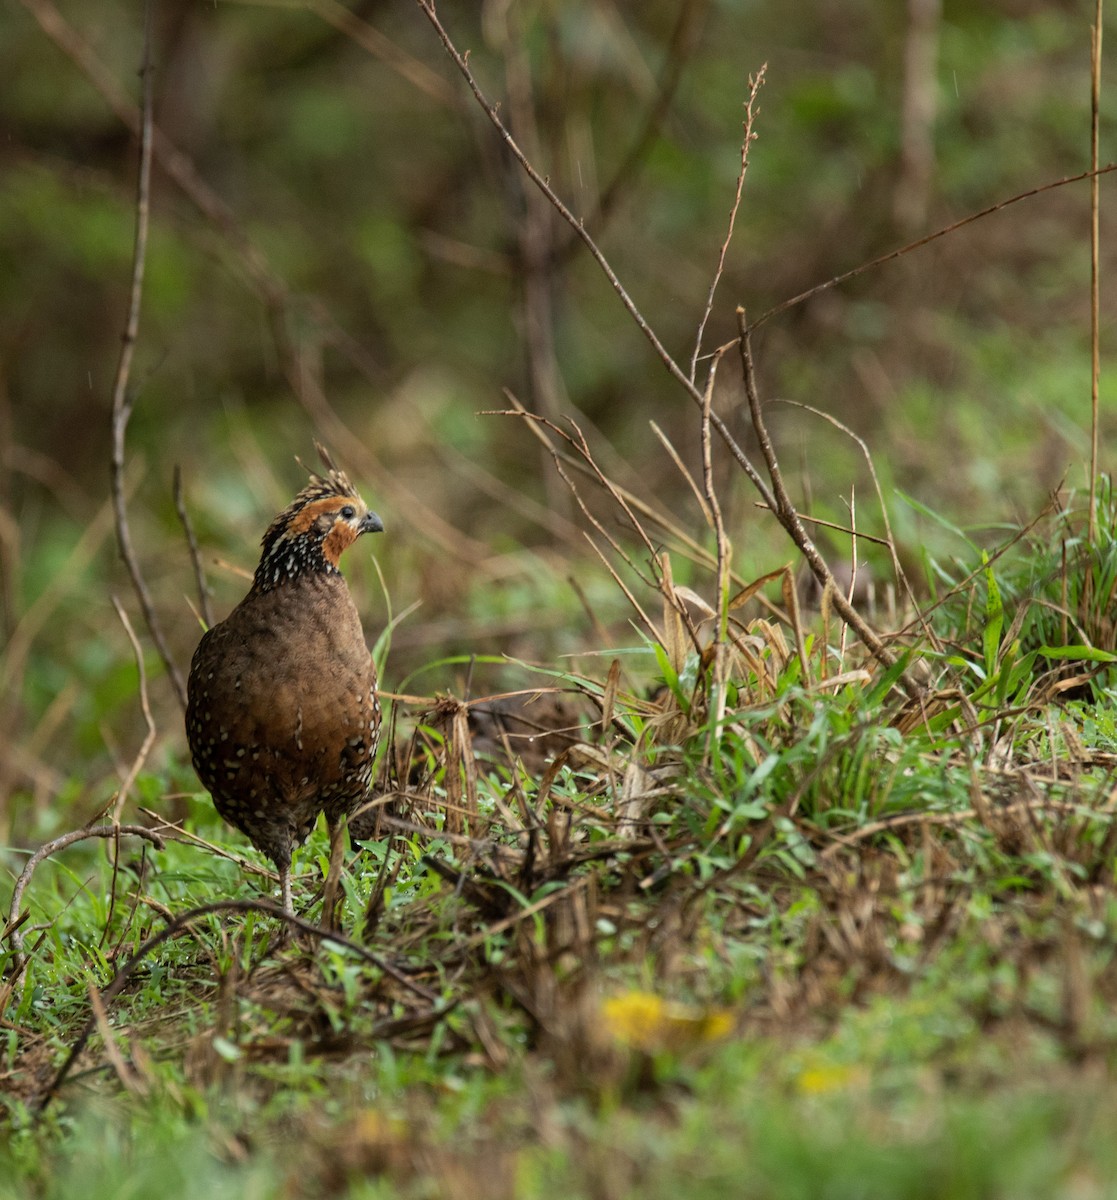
(283, 716)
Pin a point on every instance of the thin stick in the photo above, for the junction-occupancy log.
(721, 538)
(683, 543)
(579, 228)
(272, 290)
(149, 720)
(919, 243)
(180, 924)
(756, 82)
(681, 467)
(1095, 256)
(852, 591)
(821, 522)
(192, 545)
(888, 541)
(789, 519)
(52, 847)
(121, 401)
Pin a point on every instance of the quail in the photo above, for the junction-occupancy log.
(283, 718)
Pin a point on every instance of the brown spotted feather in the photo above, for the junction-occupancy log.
(283, 719)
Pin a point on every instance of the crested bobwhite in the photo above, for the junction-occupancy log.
(283, 718)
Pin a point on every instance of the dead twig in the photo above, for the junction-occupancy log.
(579, 228)
(926, 240)
(1095, 271)
(888, 541)
(44, 852)
(721, 538)
(756, 82)
(141, 754)
(145, 705)
(192, 545)
(122, 402)
(181, 924)
(787, 516)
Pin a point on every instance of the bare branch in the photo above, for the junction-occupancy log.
(919, 243)
(579, 228)
(52, 847)
(149, 738)
(756, 82)
(121, 401)
(192, 544)
(181, 924)
(790, 520)
(681, 467)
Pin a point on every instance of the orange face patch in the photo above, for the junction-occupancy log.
(337, 541)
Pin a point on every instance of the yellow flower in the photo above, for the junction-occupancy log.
(830, 1077)
(649, 1023)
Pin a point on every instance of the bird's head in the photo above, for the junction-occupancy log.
(310, 535)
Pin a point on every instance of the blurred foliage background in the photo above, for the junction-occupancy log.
(341, 247)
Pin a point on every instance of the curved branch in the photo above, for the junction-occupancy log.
(121, 401)
(181, 924)
(43, 853)
(919, 243)
(579, 228)
(791, 521)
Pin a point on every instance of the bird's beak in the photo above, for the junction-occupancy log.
(370, 523)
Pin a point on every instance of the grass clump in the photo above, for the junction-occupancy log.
(767, 926)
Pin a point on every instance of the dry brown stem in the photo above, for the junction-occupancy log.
(756, 82)
(919, 243)
(888, 541)
(721, 538)
(579, 228)
(1095, 267)
(122, 402)
(52, 847)
(681, 542)
(145, 705)
(192, 545)
(788, 517)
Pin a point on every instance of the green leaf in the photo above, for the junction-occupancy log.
(1078, 654)
(994, 620)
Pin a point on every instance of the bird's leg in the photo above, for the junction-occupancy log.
(285, 888)
(333, 876)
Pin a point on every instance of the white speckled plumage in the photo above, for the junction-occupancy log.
(283, 719)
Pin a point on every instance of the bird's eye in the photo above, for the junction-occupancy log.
(348, 512)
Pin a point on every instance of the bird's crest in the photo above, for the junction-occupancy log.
(287, 551)
(335, 482)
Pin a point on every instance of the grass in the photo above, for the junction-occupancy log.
(824, 941)
(725, 906)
